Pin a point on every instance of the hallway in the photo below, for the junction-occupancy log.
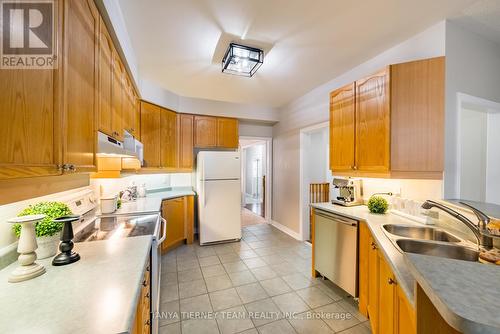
(259, 285)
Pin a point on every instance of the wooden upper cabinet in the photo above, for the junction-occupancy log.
(150, 134)
(342, 128)
(186, 137)
(227, 132)
(373, 123)
(81, 35)
(30, 121)
(117, 97)
(168, 137)
(105, 80)
(417, 107)
(205, 131)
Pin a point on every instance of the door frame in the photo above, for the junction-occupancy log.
(462, 101)
(269, 173)
(303, 199)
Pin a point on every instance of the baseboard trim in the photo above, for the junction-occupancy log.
(285, 229)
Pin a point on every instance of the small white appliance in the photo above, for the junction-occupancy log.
(219, 196)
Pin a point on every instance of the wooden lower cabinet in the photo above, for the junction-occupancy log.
(179, 214)
(380, 297)
(142, 324)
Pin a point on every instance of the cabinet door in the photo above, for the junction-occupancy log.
(117, 97)
(406, 322)
(373, 123)
(186, 141)
(373, 286)
(30, 121)
(227, 132)
(150, 134)
(128, 105)
(364, 253)
(173, 212)
(105, 80)
(168, 144)
(387, 297)
(342, 128)
(205, 131)
(417, 116)
(81, 29)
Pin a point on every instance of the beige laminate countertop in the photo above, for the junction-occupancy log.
(97, 294)
(466, 294)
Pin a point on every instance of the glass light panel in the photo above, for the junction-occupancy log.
(242, 60)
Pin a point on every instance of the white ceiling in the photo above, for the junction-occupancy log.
(312, 41)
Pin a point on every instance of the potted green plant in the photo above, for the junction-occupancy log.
(47, 231)
(377, 204)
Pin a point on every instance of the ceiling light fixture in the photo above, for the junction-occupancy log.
(242, 60)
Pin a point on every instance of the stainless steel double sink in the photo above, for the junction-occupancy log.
(429, 241)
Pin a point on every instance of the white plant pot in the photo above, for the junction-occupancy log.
(47, 246)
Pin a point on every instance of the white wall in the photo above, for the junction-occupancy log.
(313, 108)
(315, 157)
(474, 138)
(493, 159)
(255, 129)
(473, 68)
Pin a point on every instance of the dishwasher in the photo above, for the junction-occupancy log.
(336, 249)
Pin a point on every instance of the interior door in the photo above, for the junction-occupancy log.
(342, 128)
(220, 215)
(373, 123)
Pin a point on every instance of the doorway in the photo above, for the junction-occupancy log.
(255, 172)
(314, 168)
(478, 150)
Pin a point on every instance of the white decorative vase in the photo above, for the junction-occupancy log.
(47, 245)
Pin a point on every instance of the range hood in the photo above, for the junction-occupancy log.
(109, 146)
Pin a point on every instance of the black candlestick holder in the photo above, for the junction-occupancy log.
(66, 256)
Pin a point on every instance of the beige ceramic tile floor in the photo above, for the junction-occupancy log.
(259, 285)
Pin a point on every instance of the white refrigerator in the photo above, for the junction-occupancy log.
(219, 196)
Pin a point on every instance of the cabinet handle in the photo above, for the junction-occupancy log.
(144, 283)
(391, 281)
(374, 245)
(355, 167)
(147, 322)
(146, 295)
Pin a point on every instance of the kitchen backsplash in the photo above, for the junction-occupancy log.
(12, 210)
(413, 189)
(152, 181)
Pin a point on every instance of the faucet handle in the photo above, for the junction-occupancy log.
(483, 218)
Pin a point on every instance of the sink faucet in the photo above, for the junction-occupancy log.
(482, 240)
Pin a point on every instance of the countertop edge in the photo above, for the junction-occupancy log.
(135, 302)
(455, 320)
